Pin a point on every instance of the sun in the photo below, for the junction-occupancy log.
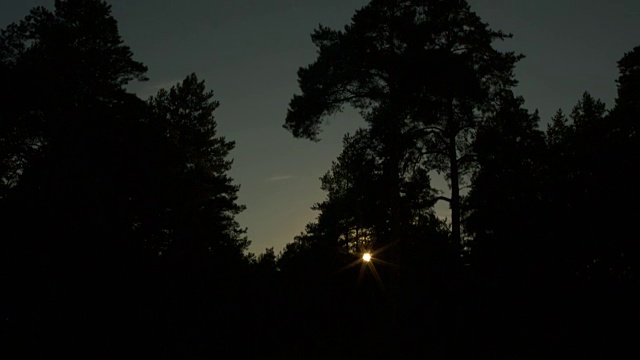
(366, 259)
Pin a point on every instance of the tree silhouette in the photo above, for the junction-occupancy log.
(422, 74)
(626, 136)
(96, 183)
(589, 224)
(505, 204)
(577, 174)
(325, 261)
(604, 145)
(66, 70)
(198, 209)
(119, 215)
(65, 122)
(77, 58)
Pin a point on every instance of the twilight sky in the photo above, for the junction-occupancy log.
(248, 52)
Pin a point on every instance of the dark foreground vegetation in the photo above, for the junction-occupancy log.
(118, 234)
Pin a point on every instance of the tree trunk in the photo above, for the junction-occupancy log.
(454, 175)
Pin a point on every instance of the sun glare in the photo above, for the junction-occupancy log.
(366, 257)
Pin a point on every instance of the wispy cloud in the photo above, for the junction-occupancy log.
(278, 178)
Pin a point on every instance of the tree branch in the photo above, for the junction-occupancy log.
(444, 198)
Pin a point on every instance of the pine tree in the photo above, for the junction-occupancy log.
(64, 123)
(66, 110)
(198, 206)
(60, 68)
(422, 74)
(506, 204)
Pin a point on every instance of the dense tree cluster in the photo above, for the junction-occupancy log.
(115, 210)
(118, 214)
(540, 253)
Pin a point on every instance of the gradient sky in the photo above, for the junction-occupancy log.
(248, 51)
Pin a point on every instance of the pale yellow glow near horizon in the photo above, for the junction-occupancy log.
(366, 257)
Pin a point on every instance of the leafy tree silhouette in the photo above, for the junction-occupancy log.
(198, 217)
(325, 261)
(63, 125)
(545, 248)
(96, 184)
(506, 220)
(589, 253)
(76, 57)
(420, 73)
(504, 203)
(623, 147)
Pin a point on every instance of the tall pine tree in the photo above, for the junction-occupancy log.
(197, 205)
(422, 74)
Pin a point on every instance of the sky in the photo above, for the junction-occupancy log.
(248, 53)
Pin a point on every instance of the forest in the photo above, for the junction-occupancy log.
(119, 236)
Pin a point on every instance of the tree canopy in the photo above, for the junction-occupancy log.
(422, 73)
(119, 214)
